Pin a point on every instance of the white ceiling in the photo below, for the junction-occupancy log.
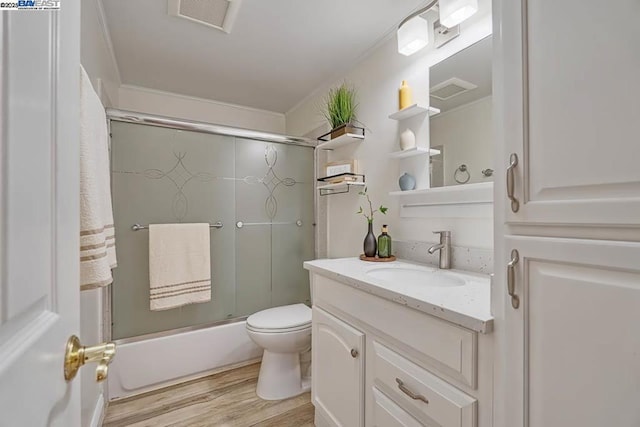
(473, 65)
(278, 52)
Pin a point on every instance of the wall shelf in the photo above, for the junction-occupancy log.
(457, 201)
(415, 151)
(339, 188)
(413, 110)
(328, 143)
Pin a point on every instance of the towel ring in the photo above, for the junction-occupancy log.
(463, 170)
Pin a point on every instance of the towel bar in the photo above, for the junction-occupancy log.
(137, 227)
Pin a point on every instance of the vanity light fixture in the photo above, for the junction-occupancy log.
(413, 31)
(413, 35)
(453, 12)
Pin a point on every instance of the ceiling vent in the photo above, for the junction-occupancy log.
(450, 88)
(219, 14)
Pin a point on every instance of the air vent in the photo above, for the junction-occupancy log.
(450, 88)
(219, 14)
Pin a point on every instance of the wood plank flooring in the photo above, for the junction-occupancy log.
(227, 399)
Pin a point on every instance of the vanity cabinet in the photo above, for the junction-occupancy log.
(408, 369)
(337, 369)
(567, 284)
(570, 112)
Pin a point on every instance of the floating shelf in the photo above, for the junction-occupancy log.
(339, 188)
(484, 189)
(346, 139)
(413, 110)
(415, 151)
(328, 143)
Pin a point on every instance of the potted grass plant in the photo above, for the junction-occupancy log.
(340, 110)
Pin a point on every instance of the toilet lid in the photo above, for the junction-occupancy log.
(285, 317)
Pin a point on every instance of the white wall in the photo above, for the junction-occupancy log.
(151, 101)
(377, 79)
(466, 133)
(96, 52)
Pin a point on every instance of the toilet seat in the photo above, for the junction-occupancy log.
(288, 318)
(278, 331)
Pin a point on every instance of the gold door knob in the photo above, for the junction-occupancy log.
(78, 355)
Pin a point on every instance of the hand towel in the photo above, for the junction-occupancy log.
(179, 265)
(97, 237)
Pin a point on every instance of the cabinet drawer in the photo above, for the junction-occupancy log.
(387, 414)
(450, 349)
(429, 398)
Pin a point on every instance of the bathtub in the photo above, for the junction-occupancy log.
(145, 364)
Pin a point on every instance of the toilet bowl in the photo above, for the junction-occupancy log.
(283, 332)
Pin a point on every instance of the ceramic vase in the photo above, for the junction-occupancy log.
(370, 242)
(407, 139)
(407, 182)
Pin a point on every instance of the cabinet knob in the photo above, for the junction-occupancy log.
(354, 353)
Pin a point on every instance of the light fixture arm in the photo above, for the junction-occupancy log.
(419, 12)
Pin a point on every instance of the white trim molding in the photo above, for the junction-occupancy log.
(461, 201)
(102, 18)
(99, 412)
(143, 89)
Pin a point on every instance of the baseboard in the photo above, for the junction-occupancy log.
(320, 421)
(98, 412)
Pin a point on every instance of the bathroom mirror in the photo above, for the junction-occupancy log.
(460, 86)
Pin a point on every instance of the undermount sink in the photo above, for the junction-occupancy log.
(422, 277)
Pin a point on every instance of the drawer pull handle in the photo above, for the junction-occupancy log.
(513, 162)
(511, 279)
(409, 393)
(354, 353)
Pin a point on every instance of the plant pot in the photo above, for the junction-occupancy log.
(370, 243)
(345, 129)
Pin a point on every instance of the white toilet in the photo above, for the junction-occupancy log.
(283, 332)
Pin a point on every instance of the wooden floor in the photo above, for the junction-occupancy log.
(227, 399)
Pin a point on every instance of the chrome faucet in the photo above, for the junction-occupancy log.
(445, 249)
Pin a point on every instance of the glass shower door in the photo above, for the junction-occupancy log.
(274, 232)
(162, 175)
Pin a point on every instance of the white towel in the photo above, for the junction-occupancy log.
(97, 238)
(179, 265)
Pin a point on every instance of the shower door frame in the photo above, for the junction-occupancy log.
(125, 116)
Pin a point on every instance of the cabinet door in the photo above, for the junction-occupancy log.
(572, 345)
(571, 93)
(337, 370)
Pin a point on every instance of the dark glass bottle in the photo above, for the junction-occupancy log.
(384, 243)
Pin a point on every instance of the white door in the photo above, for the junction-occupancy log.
(338, 370)
(39, 214)
(572, 110)
(574, 346)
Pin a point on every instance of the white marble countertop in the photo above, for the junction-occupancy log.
(468, 305)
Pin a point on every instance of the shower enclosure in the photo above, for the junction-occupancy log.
(259, 190)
